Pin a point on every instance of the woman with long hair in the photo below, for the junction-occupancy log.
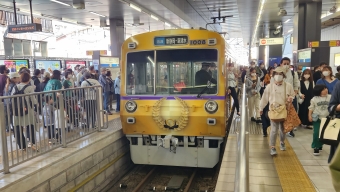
(306, 94)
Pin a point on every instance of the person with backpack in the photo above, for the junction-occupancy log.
(14, 79)
(90, 99)
(23, 112)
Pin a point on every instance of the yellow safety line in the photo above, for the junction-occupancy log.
(292, 175)
(97, 173)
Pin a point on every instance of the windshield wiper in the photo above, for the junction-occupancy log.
(203, 91)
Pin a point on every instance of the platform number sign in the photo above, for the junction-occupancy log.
(172, 40)
(198, 42)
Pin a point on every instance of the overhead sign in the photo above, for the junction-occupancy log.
(314, 44)
(14, 65)
(88, 53)
(25, 28)
(334, 43)
(109, 62)
(101, 52)
(337, 59)
(172, 40)
(271, 41)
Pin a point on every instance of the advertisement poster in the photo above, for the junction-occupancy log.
(95, 64)
(109, 62)
(48, 65)
(15, 65)
(72, 64)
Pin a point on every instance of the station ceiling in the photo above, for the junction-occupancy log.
(176, 14)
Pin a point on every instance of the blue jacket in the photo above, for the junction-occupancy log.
(117, 86)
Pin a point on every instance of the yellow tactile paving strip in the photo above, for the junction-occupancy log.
(293, 177)
(114, 116)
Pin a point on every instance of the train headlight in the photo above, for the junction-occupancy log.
(211, 106)
(131, 106)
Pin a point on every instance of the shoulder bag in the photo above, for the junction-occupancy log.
(330, 129)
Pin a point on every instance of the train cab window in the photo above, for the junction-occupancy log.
(140, 73)
(176, 71)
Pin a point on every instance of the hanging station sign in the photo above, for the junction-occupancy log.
(271, 41)
(25, 28)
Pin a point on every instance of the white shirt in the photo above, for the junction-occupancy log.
(275, 94)
(90, 94)
(231, 79)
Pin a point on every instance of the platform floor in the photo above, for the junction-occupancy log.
(294, 170)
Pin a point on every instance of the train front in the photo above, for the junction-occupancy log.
(173, 97)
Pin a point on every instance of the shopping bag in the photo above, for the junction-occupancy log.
(330, 129)
(292, 119)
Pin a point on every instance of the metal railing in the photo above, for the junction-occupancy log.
(36, 123)
(242, 161)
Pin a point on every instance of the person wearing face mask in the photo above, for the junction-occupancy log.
(299, 71)
(275, 65)
(318, 71)
(327, 79)
(262, 67)
(278, 92)
(4, 71)
(232, 84)
(306, 94)
(259, 72)
(292, 78)
(253, 86)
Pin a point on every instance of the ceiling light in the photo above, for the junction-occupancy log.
(278, 27)
(167, 24)
(28, 12)
(287, 21)
(290, 30)
(97, 14)
(60, 2)
(69, 20)
(135, 7)
(154, 17)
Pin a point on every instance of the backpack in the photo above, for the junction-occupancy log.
(20, 106)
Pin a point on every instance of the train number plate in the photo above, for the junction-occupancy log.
(198, 42)
(172, 40)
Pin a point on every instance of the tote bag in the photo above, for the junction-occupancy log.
(278, 112)
(292, 119)
(330, 129)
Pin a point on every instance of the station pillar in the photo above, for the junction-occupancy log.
(307, 27)
(117, 36)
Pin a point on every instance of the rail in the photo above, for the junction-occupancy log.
(242, 161)
(36, 123)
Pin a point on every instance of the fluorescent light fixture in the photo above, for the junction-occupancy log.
(167, 24)
(69, 20)
(97, 14)
(290, 30)
(278, 27)
(154, 17)
(62, 3)
(28, 12)
(287, 21)
(135, 7)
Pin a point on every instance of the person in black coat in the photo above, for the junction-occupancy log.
(202, 76)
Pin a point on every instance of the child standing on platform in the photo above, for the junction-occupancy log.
(318, 109)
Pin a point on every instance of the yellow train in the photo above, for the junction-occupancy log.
(171, 114)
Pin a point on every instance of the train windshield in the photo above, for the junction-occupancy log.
(185, 71)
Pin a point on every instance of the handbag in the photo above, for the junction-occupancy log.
(278, 112)
(292, 119)
(330, 129)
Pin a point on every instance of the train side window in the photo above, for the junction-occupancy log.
(139, 78)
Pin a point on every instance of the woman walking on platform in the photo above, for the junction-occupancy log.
(277, 93)
(305, 93)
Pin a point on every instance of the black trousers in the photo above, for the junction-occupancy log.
(235, 98)
(20, 137)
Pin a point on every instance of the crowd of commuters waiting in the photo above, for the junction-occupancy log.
(21, 82)
(313, 93)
